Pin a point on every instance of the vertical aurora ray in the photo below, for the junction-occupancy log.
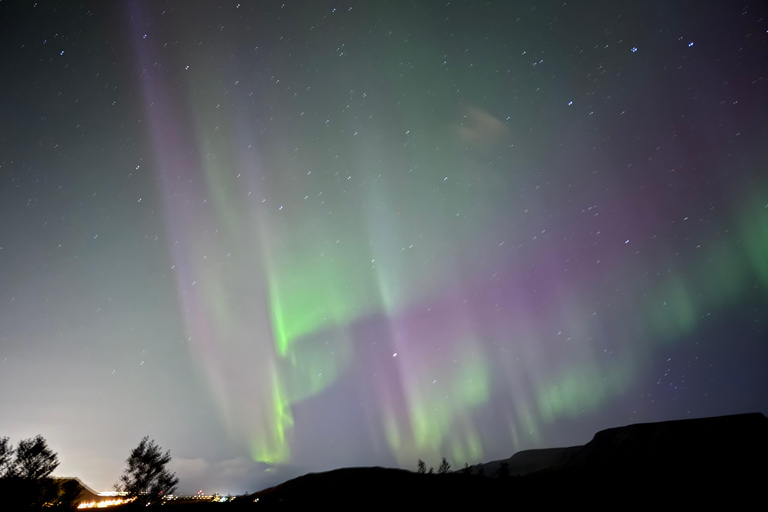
(754, 233)
(718, 277)
(219, 304)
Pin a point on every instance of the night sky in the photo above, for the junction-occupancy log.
(281, 237)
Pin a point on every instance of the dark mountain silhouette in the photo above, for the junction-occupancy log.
(687, 462)
(715, 443)
(527, 461)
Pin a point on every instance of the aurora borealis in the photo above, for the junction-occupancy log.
(281, 237)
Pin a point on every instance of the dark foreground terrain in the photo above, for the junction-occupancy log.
(721, 460)
(702, 462)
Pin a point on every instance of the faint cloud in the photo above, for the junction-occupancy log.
(480, 129)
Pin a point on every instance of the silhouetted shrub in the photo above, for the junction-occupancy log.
(146, 479)
(25, 474)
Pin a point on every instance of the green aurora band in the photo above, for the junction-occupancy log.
(279, 293)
